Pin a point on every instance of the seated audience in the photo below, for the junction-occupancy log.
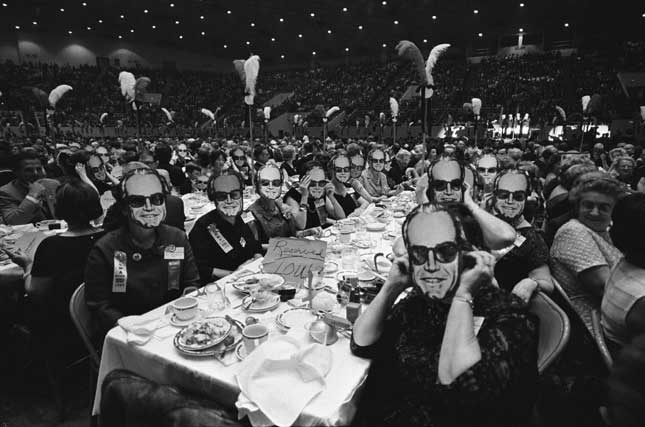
(623, 303)
(222, 239)
(373, 178)
(430, 367)
(142, 264)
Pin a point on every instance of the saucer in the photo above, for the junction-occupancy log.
(261, 307)
(177, 323)
(376, 226)
(240, 351)
(366, 276)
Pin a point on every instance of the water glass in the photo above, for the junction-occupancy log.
(216, 298)
(350, 259)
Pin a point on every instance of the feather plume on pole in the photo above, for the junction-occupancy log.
(435, 53)
(477, 107)
(103, 117)
(56, 94)
(585, 102)
(394, 110)
(561, 113)
(408, 50)
(208, 113)
(642, 112)
(251, 71)
(141, 86)
(267, 112)
(594, 105)
(168, 114)
(331, 111)
(367, 121)
(127, 83)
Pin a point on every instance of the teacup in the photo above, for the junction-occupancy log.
(253, 336)
(185, 308)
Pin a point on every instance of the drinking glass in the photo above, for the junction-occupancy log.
(216, 298)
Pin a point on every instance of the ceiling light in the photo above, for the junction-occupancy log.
(181, 37)
(384, 3)
(145, 10)
(434, 17)
(344, 9)
(312, 14)
(396, 22)
(248, 43)
(481, 34)
(521, 4)
(281, 19)
(4, 4)
(89, 28)
(17, 27)
(131, 30)
(384, 45)
(61, 9)
(122, 17)
(120, 37)
(69, 31)
(346, 49)
(253, 24)
(313, 53)
(228, 12)
(203, 33)
(201, 17)
(100, 21)
(282, 56)
(328, 31)
(521, 30)
(425, 40)
(360, 27)
(299, 36)
(154, 27)
(84, 4)
(176, 22)
(225, 46)
(172, 4)
(475, 11)
(566, 25)
(35, 23)
(272, 39)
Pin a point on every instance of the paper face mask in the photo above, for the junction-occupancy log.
(270, 184)
(226, 184)
(150, 215)
(317, 185)
(378, 160)
(342, 169)
(510, 188)
(487, 169)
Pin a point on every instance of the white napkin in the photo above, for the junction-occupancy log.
(280, 378)
(140, 329)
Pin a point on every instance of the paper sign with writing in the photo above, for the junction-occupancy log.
(293, 259)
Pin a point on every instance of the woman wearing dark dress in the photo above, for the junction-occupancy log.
(523, 267)
(430, 366)
(347, 198)
(240, 163)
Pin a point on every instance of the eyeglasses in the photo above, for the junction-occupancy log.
(440, 185)
(267, 182)
(95, 169)
(444, 252)
(102, 154)
(518, 196)
(201, 182)
(357, 167)
(181, 151)
(221, 196)
(377, 160)
(341, 170)
(318, 183)
(238, 157)
(136, 201)
(487, 170)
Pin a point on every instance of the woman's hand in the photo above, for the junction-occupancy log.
(525, 289)
(80, 170)
(482, 272)
(398, 279)
(468, 196)
(19, 257)
(329, 190)
(303, 187)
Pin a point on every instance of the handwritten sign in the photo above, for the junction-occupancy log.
(293, 259)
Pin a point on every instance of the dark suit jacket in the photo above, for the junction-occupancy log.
(175, 216)
(16, 210)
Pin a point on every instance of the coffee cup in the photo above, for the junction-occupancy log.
(254, 335)
(185, 308)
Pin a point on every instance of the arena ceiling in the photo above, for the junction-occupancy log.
(296, 30)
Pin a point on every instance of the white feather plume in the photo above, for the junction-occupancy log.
(561, 112)
(503, 116)
(251, 71)
(585, 102)
(394, 107)
(435, 53)
(127, 82)
(56, 94)
(477, 106)
(167, 113)
(381, 116)
(208, 113)
(331, 111)
(643, 112)
(103, 117)
(526, 116)
(267, 112)
(296, 117)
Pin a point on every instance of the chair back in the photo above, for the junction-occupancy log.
(555, 329)
(83, 320)
(599, 338)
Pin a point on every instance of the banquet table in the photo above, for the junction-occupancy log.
(158, 360)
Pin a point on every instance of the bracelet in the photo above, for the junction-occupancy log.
(467, 300)
(32, 199)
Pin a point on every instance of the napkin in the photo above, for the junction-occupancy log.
(140, 329)
(280, 378)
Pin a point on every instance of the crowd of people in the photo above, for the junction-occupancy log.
(507, 221)
(529, 84)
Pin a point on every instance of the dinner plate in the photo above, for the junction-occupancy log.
(330, 267)
(294, 318)
(178, 323)
(236, 334)
(240, 351)
(398, 214)
(261, 307)
(375, 226)
(362, 244)
(366, 276)
(213, 330)
(273, 279)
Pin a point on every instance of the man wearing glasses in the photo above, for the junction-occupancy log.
(222, 239)
(373, 178)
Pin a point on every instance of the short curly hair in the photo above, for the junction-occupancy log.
(597, 182)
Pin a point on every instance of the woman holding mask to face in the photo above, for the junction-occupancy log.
(274, 218)
(373, 178)
(525, 268)
(222, 239)
(142, 264)
(240, 164)
(430, 367)
(314, 198)
(357, 166)
(341, 175)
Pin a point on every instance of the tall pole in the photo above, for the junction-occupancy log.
(393, 130)
(424, 109)
(250, 125)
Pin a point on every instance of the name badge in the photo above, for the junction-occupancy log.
(219, 239)
(120, 273)
(174, 271)
(319, 203)
(350, 190)
(173, 252)
(519, 240)
(247, 217)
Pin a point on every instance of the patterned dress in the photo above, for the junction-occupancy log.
(577, 248)
(403, 389)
